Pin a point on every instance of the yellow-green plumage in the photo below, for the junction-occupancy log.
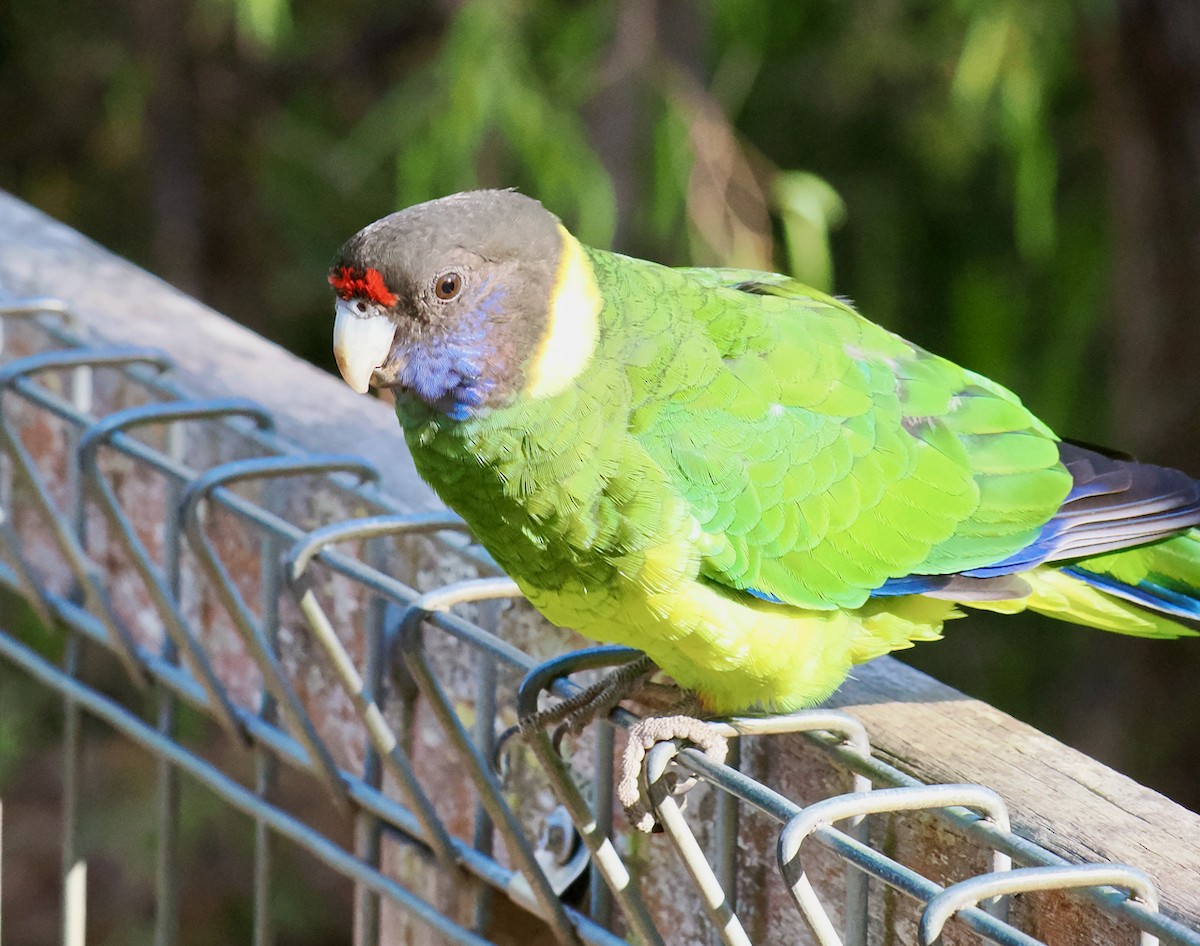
(744, 473)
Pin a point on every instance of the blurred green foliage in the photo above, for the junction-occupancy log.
(231, 145)
(941, 162)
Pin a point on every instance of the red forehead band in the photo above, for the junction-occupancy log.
(351, 283)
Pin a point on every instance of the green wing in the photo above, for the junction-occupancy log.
(823, 455)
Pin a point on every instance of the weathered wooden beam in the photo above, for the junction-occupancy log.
(1059, 798)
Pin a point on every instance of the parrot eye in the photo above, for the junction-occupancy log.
(447, 285)
(360, 305)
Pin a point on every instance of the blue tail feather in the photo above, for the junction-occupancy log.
(1148, 594)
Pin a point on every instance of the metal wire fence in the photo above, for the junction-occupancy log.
(378, 654)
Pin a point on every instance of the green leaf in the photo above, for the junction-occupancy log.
(809, 208)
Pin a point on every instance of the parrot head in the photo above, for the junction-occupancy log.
(464, 302)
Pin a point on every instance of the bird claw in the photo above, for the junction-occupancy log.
(500, 752)
(643, 736)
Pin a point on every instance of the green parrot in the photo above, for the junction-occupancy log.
(732, 472)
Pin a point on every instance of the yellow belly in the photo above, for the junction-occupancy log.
(738, 652)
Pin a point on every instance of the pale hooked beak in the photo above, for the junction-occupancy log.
(361, 342)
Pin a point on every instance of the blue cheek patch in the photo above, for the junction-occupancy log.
(448, 373)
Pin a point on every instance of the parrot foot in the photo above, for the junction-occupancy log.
(677, 720)
(596, 702)
(643, 736)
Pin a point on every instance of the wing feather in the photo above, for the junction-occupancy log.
(825, 456)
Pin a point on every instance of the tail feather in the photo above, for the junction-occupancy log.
(1163, 576)
(1122, 554)
(1059, 594)
(1144, 591)
(1147, 594)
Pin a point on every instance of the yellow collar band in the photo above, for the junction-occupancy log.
(572, 326)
